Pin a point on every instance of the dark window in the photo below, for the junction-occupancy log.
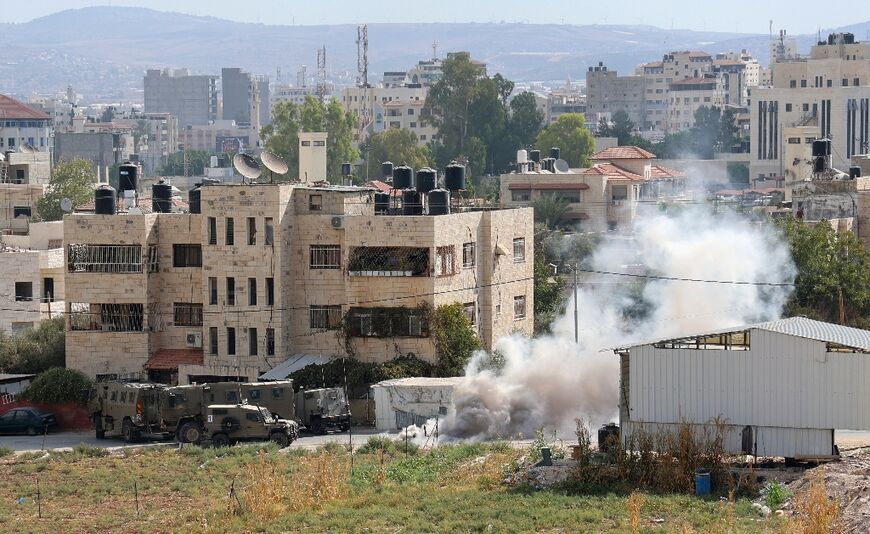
(324, 317)
(619, 192)
(48, 290)
(803, 83)
(187, 314)
(186, 256)
(519, 249)
(212, 231)
(315, 202)
(231, 341)
(792, 84)
(270, 342)
(320, 143)
(251, 416)
(845, 82)
(270, 291)
(231, 291)
(277, 393)
(269, 231)
(254, 394)
(230, 231)
(252, 231)
(830, 83)
(468, 254)
(252, 291)
(252, 341)
(521, 196)
(325, 257)
(520, 307)
(23, 291)
(788, 107)
(387, 322)
(213, 340)
(855, 82)
(212, 291)
(468, 308)
(20, 211)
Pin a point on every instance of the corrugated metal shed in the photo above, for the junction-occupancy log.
(419, 396)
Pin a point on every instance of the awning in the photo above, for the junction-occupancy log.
(293, 364)
(549, 187)
(170, 359)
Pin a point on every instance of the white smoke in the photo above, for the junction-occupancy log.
(551, 380)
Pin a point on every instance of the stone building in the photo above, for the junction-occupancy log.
(268, 272)
(191, 99)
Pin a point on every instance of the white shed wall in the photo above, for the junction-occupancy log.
(421, 400)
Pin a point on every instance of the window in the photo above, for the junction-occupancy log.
(521, 196)
(387, 322)
(104, 258)
(845, 82)
(277, 393)
(252, 231)
(792, 84)
(252, 291)
(794, 140)
(803, 83)
(230, 232)
(468, 254)
(270, 291)
(325, 257)
(212, 291)
(324, 317)
(213, 340)
(468, 310)
(252, 341)
(306, 143)
(89, 317)
(413, 125)
(231, 341)
(23, 291)
(231, 291)
(444, 260)
(315, 202)
(254, 417)
(788, 107)
(410, 111)
(806, 107)
(519, 249)
(186, 256)
(21, 211)
(320, 143)
(270, 342)
(48, 290)
(212, 231)
(855, 82)
(520, 307)
(268, 231)
(619, 192)
(829, 83)
(187, 314)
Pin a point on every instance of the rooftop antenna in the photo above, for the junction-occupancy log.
(321, 73)
(274, 163)
(434, 49)
(246, 166)
(362, 55)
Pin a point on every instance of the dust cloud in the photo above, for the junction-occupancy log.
(550, 381)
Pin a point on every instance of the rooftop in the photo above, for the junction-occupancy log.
(611, 171)
(170, 359)
(622, 152)
(13, 109)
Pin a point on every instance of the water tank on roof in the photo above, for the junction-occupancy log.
(522, 156)
(535, 155)
(387, 169)
(412, 202)
(194, 199)
(403, 177)
(105, 200)
(555, 153)
(454, 177)
(161, 197)
(426, 179)
(439, 202)
(346, 168)
(382, 203)
(128, 176)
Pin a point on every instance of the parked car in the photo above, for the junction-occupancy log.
(27, 420)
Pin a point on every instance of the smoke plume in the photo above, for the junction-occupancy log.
(551, 380)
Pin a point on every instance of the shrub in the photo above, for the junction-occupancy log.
(58, 385)
(775, 495)
(36, 350)
(5, 451)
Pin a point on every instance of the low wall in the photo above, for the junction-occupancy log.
(70, 416)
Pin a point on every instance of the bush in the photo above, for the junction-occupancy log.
(775, 495)
(36, 350)
(5, 451)
(359, 374)
(57, 386)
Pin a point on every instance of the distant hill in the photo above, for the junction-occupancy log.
(103, 51)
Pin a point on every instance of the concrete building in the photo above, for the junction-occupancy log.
(312, 157)
(269, 271)
(102, 150)
(607, 93)
(244, 96)
(160, 139)
(689, 94)
(23, 179)
(292, 93)
(568, 99)
(381, 108)
(191, 99)
(22, 125)
(779, 388)
(220, 136)
(603, 197)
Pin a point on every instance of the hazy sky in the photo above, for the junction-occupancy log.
(752, 16)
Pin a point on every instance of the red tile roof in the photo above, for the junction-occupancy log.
(170, 359)
(622, 152)
(383, 187)
(13, 109)
(611, 171)
(548, 187)
(659, 172)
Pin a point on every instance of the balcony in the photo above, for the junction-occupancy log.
(388, 261)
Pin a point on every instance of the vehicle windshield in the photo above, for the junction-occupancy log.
(267, 417)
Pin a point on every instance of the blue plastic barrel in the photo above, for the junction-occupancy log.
(702, 481)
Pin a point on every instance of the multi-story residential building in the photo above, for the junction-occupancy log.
(689, 94)
(263, 273)
(23, 179)
(22, 125)
(191, 99)
(157, 136)
(220, 136)
(381, 108)
(102, 149)
(568, 99)
(295, 94)
(31, 288)
(829, 89)
(602, 197)
(244, 97)
(607, 93)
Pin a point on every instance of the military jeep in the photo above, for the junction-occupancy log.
(128, 409)
(319, 410)
(226, 424)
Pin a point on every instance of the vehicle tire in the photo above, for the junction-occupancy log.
(220, 440)
(32, 431)
(127, 431)
(101, 434)
(280, 438)
(319, 428)
(190, 432)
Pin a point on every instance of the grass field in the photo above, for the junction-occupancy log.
(256, 488)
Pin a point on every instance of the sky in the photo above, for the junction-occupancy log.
(749, 16)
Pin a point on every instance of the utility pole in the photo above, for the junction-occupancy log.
(576, 316)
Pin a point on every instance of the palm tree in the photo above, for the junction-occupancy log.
(550, 210)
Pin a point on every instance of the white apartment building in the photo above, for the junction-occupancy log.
(21, 125)
(380, 108)
(689, 94)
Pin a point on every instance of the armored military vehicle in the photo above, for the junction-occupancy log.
(226, 424)
(126, 409)
(319, 410)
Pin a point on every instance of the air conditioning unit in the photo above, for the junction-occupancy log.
(338, 222)
(194, 339)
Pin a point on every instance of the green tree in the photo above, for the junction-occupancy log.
(455, 338)
(449, 99)
(398, 146)
(549, 293)
(569, 133)
(197, 161)
(674, 146)
(550, 210)
(35, 350)
(523, 125)
(69, 179)
(621, 127)
(58, 385)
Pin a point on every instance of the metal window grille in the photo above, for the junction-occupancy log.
(252, 231)
(468, 254)
(212, 291)
(153, 259)
(107, 317)
(270, 342)
(187, 314)
(230, 232)
(520, 307)
(388, 261)
(444, 260)
(104, 258)
(252, 291)
(325, 257)
(388, 322)
(324, 317)
(212, 231)
(520, 249)
(231, 291)
(315, 203)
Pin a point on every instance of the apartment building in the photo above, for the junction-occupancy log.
(261, 273)
(607, 93)
(23, 179)
(192, 99)
(22, 125)
(160, 139)
(828, 90)
(689, 94)
(219, 136)
(603, 197)
(245, 98)
(381, 108)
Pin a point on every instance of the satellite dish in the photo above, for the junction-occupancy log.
(274, 162)
(66, 205)
(246, 166)
(561, 165)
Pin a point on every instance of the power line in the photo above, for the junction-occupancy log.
(681, 279)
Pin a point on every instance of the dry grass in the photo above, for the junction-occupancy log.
(814, 512)
(266, 487)
(634, 504)
(317, 480)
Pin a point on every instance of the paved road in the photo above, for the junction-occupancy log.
(68, 440)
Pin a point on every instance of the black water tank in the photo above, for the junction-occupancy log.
(454, 177)
(439, 202)
(608, 437)
(105, 200)
(194, 200)
(412, 203)
(387, 169)
(535, 155)
(854, 171)
(426, 180)
(128, 176)
(161, 197)
(555, 153)
(819, 147)
(382, 203)
(820, 163)
(403, 177)
(346, 168)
